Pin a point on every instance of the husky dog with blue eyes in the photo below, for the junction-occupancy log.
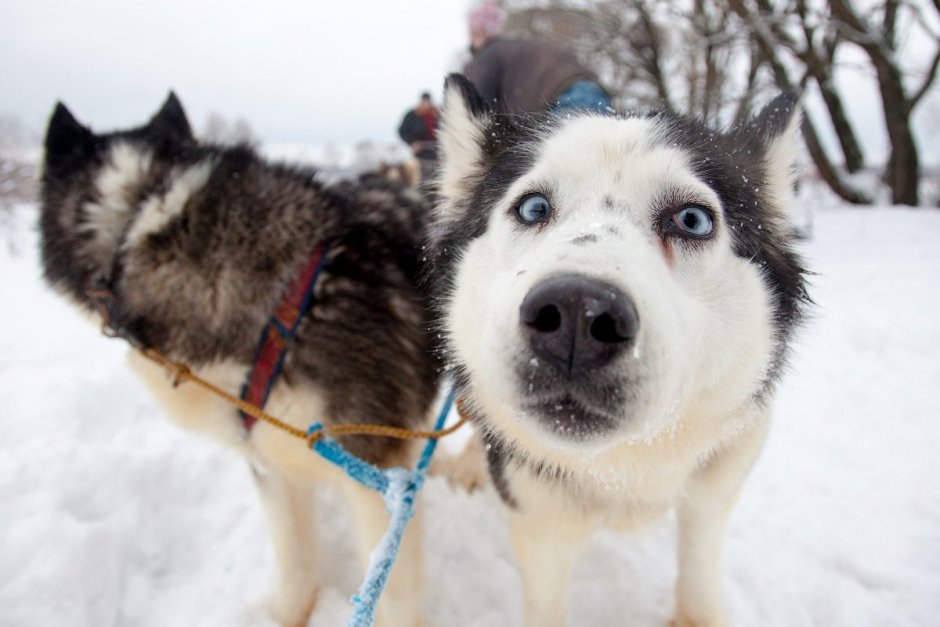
(616, 296)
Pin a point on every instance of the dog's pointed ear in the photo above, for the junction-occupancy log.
(464, 118)
(170, 122)
(66, 138)
(777, 128)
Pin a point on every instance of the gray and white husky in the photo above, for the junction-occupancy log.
(617, 294)
(197, 243)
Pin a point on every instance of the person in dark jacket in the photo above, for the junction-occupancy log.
(520, 75)
(419, 130)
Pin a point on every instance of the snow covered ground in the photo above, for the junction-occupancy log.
(109, 515)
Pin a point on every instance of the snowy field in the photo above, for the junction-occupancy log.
(112, 516)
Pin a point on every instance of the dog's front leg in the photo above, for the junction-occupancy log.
(545, 546)
(703, 516)
(402, 600)
(288, 505)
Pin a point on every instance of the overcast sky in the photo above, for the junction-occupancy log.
(314, 71)
(306, 72)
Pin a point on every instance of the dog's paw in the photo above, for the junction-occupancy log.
(470, 479)
(458, 474)
(292, 608)
(466, 470)
(384, 620)
(681, 619)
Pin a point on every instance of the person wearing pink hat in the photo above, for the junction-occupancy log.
(517, 75)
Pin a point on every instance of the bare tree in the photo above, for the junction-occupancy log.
(18, 172)
(811, 34)
(877, 34)
(796, 49)
(366, 156)
(713, 58)
(17, 167)
(219, 130)
(683, 56)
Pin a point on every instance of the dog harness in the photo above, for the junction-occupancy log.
(398, 486)
(279, 333)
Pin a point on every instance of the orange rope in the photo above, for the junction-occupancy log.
(180, 373)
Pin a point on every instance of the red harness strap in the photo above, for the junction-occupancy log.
(279, 333)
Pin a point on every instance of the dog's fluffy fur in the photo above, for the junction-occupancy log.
(666, 405)
(198, 243)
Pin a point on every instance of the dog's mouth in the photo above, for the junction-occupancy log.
(571, 419)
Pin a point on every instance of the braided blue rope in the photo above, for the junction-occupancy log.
(399, 488)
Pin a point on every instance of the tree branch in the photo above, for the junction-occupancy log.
(928, 81)
(890, 23)
(767, 48)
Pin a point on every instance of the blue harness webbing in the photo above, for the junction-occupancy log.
(398, 487)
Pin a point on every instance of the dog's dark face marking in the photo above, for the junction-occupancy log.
(584, 239)
(684, 221)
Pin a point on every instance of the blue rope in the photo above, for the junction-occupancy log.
(428, 451)
(399, 488)
(363, 472)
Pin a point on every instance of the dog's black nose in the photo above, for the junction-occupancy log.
(576, 323)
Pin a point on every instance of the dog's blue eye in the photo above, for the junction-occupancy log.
(694, 220)
(534, 209)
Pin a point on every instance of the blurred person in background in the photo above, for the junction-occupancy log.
(517, 75)
(419, 130)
